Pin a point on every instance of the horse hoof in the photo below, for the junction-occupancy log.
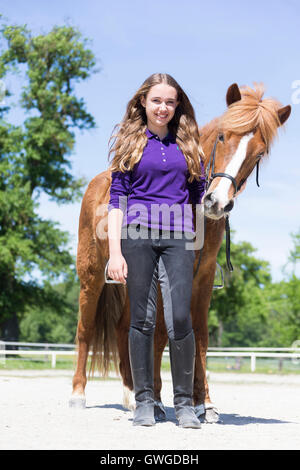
(159, 411)
(211, 416)
(207, 413)
(78, 403)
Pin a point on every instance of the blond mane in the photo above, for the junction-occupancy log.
(253, 112)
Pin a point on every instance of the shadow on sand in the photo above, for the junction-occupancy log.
(225, 419)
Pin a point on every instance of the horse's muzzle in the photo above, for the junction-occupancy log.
(213, 209)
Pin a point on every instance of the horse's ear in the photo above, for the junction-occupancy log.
(233, 94)
(284, 113)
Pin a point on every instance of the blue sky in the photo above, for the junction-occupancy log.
(206, 46)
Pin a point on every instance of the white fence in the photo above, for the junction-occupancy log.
(252, 353)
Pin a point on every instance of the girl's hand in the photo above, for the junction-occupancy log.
(117, 268)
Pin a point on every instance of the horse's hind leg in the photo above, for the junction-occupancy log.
(88, 301)
(160, 341)
(122, 331)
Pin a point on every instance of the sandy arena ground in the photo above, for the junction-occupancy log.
(258, 412)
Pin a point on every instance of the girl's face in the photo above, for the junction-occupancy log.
(160, 105)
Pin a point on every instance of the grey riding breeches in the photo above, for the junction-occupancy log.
(152, 259)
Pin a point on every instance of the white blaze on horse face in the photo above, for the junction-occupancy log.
(232, 169)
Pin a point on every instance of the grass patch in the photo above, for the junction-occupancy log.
(214, 364)
(263, 365)
(42, 362)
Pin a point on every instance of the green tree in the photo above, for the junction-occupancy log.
(282, 304)
(238, 314)
(295, 252)
(35, 159)
(50, 325)
(252, 310)
(284, 301)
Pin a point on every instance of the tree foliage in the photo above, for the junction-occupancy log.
(252, 310)
(35, 159)
(53, 325)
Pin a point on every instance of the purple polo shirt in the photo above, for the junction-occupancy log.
(156, 193)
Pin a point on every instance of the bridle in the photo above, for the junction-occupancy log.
(213, 175)
(237, 187)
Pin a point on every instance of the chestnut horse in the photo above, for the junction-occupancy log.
(239, 138)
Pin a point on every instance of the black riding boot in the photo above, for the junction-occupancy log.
(141, 362)
(182, 359)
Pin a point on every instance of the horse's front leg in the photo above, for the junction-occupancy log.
(124, 364)
(88, 302)
(204, 408)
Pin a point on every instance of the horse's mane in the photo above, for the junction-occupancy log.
(253, 112)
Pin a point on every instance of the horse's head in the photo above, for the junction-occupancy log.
(235, 143)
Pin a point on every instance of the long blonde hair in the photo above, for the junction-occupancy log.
(130, 139)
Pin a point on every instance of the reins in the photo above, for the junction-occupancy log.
(208, 181)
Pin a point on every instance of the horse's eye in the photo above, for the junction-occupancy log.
(259, 156)
(221, 137)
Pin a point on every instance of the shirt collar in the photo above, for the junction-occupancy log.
(169, 137)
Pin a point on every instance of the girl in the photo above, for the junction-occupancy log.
(157, 172)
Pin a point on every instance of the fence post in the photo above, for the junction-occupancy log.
(253, 362)
(46, 358)
(2, 356)
(53, 361)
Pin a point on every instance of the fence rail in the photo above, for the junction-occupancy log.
(252, 353)
(212, 348)
(39, 345)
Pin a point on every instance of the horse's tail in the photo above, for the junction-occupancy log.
(104, 339)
